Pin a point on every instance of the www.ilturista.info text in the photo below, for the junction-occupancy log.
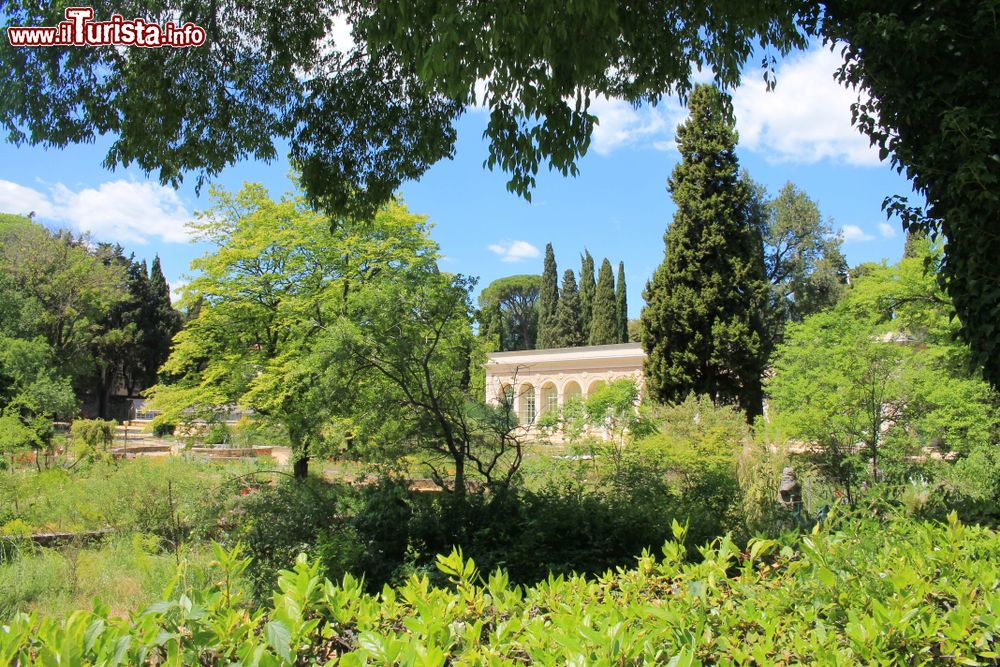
(79, 30)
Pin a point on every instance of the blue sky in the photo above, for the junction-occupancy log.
(618, 206)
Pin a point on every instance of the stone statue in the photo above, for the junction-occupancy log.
(790, 491)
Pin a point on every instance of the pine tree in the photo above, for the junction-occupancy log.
(568, 329)
(604, 326)
(621, 304)
(587, 287)
(548, 301)
(702, 327)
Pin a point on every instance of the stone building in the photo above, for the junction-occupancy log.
(536, 381)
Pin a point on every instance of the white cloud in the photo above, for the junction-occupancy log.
(119, 211)
(514, 251)
(806, 118)
(177, 290)
(342, 33)
(886, 230)
(621, 124)
(22, 200)
(853, 233)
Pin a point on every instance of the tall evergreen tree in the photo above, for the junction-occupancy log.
(621, 304)
(587, 287)
(604, 326)
(548, 301)
(161, 323)
(568, 329)
(702, 327)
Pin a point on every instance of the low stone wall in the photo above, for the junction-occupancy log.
(139, 450)
(218, 452)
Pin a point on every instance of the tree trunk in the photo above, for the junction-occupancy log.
(301, 467)
(460, 476)
(300, 453)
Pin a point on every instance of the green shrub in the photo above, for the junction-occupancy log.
(867, 592)
(217, 434)
(93, 438)
(276, 523)
(162, 429)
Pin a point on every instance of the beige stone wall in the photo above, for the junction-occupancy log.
(547, 378)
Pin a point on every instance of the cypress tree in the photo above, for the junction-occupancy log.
(604, 326)
(548, 301)
(702, 327)
(621, 304)
(162, 322)
(587, 287)
(568, 329)
(491, 326)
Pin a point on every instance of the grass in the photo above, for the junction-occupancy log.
(139, 495)
(127, 574)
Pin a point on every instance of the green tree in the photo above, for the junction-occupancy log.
(408, 394)
(919, 71)
(568, 329)
(604, 322)
(368, 116)
(511, 306)
(621, 304)
(280, 275)
(802, 257)
(882, 378)
(587, 288)
(702, 326)
(32, 394)
(160, 324)
(548, 301)
(59, 289)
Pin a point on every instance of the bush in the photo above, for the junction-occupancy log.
(217, 434)
(163, 429)
(93, 438)
(276, 523)
(866, 592)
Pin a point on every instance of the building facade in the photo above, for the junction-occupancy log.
(536, 381)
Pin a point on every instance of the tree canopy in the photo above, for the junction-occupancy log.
(361, 118)
(882, 378)
(276, 279)
(515, 300)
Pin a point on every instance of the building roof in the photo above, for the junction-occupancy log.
(626, 352)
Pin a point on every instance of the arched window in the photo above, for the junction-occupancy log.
(526, 409)
(550, 398)
(505, 397)
(572, 392)
(594, 386)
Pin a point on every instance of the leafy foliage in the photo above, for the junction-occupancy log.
(866, 592)
(408, 393)
(803, 262)
(621, 304)
(884, 373)
(587, 288)
(277, 278)
(94, 437)
(509, 309)
(920, 71)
